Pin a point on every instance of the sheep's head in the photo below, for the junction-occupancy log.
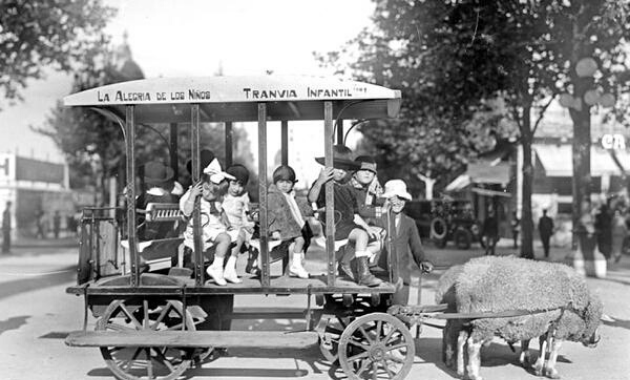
(591, 316)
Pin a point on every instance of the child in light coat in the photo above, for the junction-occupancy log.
(289, 217)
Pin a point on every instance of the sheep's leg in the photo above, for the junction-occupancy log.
(550, 369)
(524, 358)
(449, 342)
(461, 351)
(540, 362)
(474, 358)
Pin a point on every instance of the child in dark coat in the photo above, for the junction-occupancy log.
(289, 213)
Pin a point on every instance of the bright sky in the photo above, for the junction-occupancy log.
(174, 38)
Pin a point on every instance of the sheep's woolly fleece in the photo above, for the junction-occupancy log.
(445, 292)
(496, 284)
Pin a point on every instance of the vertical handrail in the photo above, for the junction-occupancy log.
(262, 195)
(284, 140)
(229, 144)
(330, 197)
(173, 149)
(130, 137)
(196, 174)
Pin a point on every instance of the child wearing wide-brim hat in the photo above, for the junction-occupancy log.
(349, 225)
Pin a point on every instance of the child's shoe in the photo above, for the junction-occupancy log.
(216, 271)
(296, 269)
(230, 271)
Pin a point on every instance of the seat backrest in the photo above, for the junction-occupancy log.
(163, 212)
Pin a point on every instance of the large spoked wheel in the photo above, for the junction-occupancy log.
(146, 363)
(375, 346)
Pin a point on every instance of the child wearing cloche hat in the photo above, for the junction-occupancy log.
(405, 238)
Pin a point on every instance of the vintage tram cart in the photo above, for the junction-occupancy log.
(146, 322)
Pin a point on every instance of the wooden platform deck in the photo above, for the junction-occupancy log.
(152, 284)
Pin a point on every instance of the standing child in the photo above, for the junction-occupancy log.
(288, 223)
(214, 231)
(349, 225)
(405, 238)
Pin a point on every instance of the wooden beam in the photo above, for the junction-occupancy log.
(244, 339)
(330, 197)
(196, 175)
(229, 145)
(284, 138)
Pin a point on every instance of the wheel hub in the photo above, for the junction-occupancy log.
(377, 353)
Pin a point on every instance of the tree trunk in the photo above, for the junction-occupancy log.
(527, 225)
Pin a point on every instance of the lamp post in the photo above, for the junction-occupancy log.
(585, 256)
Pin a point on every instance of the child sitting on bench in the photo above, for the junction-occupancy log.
(215, 233)
(349, 225)
(289, 223)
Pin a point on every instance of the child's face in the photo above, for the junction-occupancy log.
(398, 204)
(339, 175)
(236, 188)
(209, 192)
(364, 177)
(284, 185)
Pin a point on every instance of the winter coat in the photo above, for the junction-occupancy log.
(281, 218)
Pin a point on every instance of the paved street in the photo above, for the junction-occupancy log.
(37, 315)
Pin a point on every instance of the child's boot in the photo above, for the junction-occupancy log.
(230, 271)
(216, 271)
(365, 277)
(296, 268)
(345, 263)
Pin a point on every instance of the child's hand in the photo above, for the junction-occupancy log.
(325, 175)
(276, 235)
(373, 232)
(196, 190)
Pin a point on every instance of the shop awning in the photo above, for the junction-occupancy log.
(481, 172)
(485, 172)
(557, 161)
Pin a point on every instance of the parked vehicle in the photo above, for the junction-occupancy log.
(446, 220)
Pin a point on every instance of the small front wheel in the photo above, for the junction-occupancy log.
(376, 345)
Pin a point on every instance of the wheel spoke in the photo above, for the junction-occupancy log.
(358, 356)
(390, 373)
(394, 359)
(395, 347)
(389, 335)
(379, 326)
(176, 327)
(146, 323)
(162, 359)
(118, 327)
(149, 362)
(366, 335)
(374, 370)
(359, 344)
(160, 317)
(364, 366)
(137, 323)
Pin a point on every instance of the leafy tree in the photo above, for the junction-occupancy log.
(451, 57)
(35, 35)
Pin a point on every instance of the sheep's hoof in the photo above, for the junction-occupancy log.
(551, 373)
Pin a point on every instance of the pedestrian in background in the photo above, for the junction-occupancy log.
(516, 228)
(619, 233)
(6, 228)
(56, 224)
(545, 228)
(490, 231)
(603, 228)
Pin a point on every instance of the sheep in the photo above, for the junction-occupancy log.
(557, 297)
(445, 294)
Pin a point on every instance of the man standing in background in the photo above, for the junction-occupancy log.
(6, 228)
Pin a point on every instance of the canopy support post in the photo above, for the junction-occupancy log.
(330, 197)
(197, 241)
(130, 138)
(262, 195)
